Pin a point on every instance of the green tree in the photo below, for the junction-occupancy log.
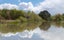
(45, 15)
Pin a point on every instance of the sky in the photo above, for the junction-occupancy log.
(53, 6)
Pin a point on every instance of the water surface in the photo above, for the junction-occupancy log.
(32, 31)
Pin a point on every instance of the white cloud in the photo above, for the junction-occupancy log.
(53, 6)
(8, 6)
(26, 6)
(29, 6)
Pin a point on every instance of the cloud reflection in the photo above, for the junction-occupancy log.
(54, 33)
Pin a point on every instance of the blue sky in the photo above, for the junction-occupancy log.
(35, 2)
(9, 1)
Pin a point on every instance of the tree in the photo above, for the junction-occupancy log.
(45, 15)
(57, 17)
(63, 17)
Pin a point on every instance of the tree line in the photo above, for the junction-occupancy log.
(48, 17)
(21, 15)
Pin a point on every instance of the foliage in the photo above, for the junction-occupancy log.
(45, 15)
(22, 19)
(58, 17)
(33, 16)
(19, 15)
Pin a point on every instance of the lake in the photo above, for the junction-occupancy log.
(32, 31)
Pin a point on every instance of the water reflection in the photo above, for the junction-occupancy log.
(58, 24)
(6, 28)
(32, 31)
(45, 26)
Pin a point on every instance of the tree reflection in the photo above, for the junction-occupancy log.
(58, 24)
(10, 27)
(20, 27)
(45, 26)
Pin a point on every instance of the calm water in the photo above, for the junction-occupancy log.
(32, 31)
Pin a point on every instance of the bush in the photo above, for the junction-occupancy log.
(22, 19)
